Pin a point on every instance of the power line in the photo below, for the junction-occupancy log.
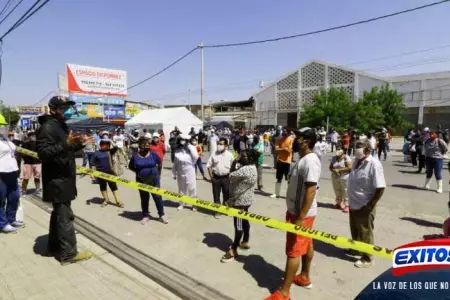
(327, 29)
(163, 70)
(12, 10)
(5, 8)
(25, 17)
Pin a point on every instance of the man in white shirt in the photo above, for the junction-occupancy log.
(219, 166)
(334, 137)
(320, 148)
(365, 187)
(212, 143)
(301, 210)
(119, 140)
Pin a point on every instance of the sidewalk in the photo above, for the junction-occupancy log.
(28, 275)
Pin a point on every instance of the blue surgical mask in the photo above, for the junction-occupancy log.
(68, 114)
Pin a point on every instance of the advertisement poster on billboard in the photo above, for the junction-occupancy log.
(88, 111)
(96, 81)
(114, 112)
(133, 108)
(78, 98)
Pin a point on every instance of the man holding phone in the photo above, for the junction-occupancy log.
(56, 148)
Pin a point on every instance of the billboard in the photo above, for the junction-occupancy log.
(78, 98)
(88, 111)
(96, 81)
(114, 112)
(132, 109)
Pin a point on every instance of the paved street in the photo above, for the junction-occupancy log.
(193, 243)
(27, 274)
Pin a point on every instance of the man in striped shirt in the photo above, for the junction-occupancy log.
(301, 211)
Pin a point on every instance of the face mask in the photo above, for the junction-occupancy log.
(33, 139)
(155, 141)
(144, 150)
(221, 148)
(339, 152)
(194, 143)
(359, 154)
(182, 142)
(67, 114)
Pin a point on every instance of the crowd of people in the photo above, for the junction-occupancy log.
(234, 167)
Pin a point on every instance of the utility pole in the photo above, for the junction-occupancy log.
(189, 103)
(202, 84)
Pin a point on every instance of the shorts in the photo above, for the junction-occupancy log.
(103, 183)
(31, 171)
(283, 169)
(297, 245)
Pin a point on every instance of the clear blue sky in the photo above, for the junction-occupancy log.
(142, 36)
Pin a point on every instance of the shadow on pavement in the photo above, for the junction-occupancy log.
(325, 205)
(41, 246)
(95, 200)
(422, 222)
(262, 193)
(134, 215)
(265, 274)
(406, 186)
(170, 203)
(400, 165)
(332, 251)
(217, 240)
(408, 172)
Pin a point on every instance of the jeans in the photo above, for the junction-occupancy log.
(199, 164)
(414, 158)
(9, 198)
(382, 149)
(434, 164)
(220, 183)
(62, 241)
(87, 158)
(145, 199)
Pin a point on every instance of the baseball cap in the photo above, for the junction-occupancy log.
(58, 101)
(426, 129)
(307, 133)
(155, 134)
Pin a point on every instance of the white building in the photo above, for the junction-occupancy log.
(280, 103)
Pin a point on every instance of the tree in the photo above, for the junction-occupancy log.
(391, 103)
(11, 116)
(336, 104)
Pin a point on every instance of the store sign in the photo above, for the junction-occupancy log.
(96, 99)
(96, 81)
(114, 112)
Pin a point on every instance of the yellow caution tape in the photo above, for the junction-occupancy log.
(325, 237)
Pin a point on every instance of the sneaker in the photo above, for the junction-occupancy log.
(194, 208)
(346, 209)
(18, 224)
(301, 281)
(363, 263)
(9, 229)
(180, 207)
(278, 296)
(244, 246)
(228, 257)
(164, 219)
(273, 196)
(144, 220)
(217, 215)
(84, 255)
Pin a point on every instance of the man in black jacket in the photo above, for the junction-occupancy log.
(56, 148)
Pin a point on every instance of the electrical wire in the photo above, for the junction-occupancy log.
(28, 14)
(12, 10)
(5, 8)
(327, 29)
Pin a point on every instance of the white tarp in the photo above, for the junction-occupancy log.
(165, 119)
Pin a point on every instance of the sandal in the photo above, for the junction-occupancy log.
(105, 203)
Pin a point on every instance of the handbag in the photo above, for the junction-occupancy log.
(115, 165)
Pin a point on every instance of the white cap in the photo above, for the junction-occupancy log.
(148, 135)
(156, 135)
(426, 129)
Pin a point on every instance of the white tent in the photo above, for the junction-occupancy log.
(165, 119)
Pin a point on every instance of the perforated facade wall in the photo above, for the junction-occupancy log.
(313, 75)
(339, 76)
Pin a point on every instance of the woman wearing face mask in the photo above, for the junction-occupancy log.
(9, 187)
(199, 163)
(183, 169)
(434, 149)
(243, 178)
(147, 165)
(158, 147)
(340, 167)
(102, 162)
(258, 146)
(134, 145)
